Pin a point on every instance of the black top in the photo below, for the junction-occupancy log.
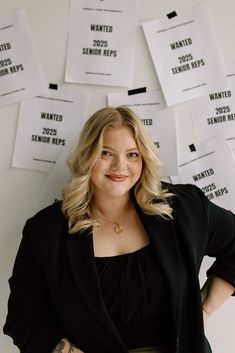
(53, 267)
(135, 294)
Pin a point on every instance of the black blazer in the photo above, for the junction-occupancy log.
(55, 289)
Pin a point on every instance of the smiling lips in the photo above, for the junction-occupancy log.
(117, 177)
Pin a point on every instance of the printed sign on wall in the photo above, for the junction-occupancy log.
(214, 113)
(185, 54)
(212, 168)
(46, 125)
(159, 121)
(21, 75)
(101, 42)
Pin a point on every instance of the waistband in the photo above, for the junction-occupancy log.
(150, 350)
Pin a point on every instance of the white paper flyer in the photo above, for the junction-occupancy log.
(21, 74)
(185, 54)
(101, 42)
(214, 113)
(211, 167)
(46, 125)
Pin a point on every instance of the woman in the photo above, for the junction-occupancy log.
(114, 267)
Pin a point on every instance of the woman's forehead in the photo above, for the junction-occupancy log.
(119, 136)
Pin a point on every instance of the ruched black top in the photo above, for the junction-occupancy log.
(135, 294)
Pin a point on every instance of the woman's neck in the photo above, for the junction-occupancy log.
(112, 208)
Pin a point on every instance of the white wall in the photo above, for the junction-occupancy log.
(19, 189)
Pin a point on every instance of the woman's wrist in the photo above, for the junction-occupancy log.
(65, 346)
(206, 311)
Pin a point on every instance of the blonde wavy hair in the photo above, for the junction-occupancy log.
(77, 203)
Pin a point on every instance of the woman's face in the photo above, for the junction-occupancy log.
(120, 164)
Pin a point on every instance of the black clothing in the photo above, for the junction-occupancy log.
(55, 289)
(135, 294)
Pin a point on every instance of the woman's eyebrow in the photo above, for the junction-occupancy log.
(128, 150)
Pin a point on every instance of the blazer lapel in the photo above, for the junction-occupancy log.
(81, 257)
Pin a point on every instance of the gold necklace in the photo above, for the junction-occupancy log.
(118, 226)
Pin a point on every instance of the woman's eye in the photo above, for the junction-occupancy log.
(105, 153)
(133, 155)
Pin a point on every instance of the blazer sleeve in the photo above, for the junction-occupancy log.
(221, 241)
(30, 320)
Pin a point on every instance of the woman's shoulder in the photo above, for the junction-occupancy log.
(188, 194)
(53, 210)
(182, 189)
(46, 222)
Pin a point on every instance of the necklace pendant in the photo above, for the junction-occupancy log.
(118, 228)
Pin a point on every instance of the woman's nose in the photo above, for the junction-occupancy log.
(118, 163)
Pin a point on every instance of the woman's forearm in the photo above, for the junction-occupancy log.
(65, 346)
(214, 293)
